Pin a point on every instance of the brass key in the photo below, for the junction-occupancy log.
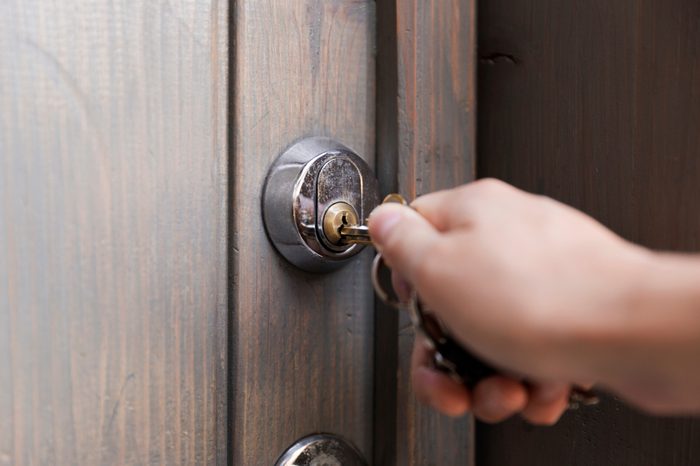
(341, 225)
(355, 234)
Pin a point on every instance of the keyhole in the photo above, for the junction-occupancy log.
(337, 217)
(345, 222)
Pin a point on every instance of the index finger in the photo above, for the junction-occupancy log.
(403, 237)
(436, 388)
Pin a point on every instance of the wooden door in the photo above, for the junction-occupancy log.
(308, 352)
(596, 103)
(426, 141)
(301, 344)
(113, 189)
(144, 316)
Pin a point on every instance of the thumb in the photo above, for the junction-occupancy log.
(403, 237)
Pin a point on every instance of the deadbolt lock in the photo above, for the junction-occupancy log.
(313, 190)
(322, 450)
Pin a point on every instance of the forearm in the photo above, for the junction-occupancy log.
(651, 346)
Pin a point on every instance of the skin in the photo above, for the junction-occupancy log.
(549, 296)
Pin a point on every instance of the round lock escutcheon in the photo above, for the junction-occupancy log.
(311, 190)
(322, 450)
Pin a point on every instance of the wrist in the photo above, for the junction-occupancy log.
(613, 317)
(664, 300)
(649, 334)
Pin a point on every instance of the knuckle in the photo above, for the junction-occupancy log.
(476, 198)
(489, 186)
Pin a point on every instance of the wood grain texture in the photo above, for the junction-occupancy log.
(386, 319)
(112, 232)
(597, 104)
(303, 343)
(435, 147)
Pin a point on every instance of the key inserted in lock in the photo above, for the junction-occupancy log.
(353, 233)
(317, 195)
(341, 226)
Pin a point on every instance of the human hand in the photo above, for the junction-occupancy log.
(517, 278)
(493, 399)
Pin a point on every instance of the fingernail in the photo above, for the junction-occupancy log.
(381, 221)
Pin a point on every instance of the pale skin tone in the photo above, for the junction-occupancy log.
(549, 296)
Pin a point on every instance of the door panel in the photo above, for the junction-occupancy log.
(112, 232)
(436, 141)
(425, 138)
(596, 103)
(302, 344)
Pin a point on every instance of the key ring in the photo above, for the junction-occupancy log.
(377, 284)
(379, 262)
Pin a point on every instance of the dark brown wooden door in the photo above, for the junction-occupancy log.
(596, 103)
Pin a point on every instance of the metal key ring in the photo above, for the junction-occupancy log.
(379, 262)
(378, 288)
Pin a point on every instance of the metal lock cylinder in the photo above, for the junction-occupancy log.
(312, 190)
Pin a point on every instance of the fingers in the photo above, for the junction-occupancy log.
(497, 398)
(434, 388)
(547, 402)
(403, 236)
(494, 399)
(401, 287)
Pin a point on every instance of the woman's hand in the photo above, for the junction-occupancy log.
(494, 399)
(536, 288)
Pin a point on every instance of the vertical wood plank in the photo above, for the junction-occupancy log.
(112, 232)
(596, 103)
(385, 317)
(302, 355)
(436, 109)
